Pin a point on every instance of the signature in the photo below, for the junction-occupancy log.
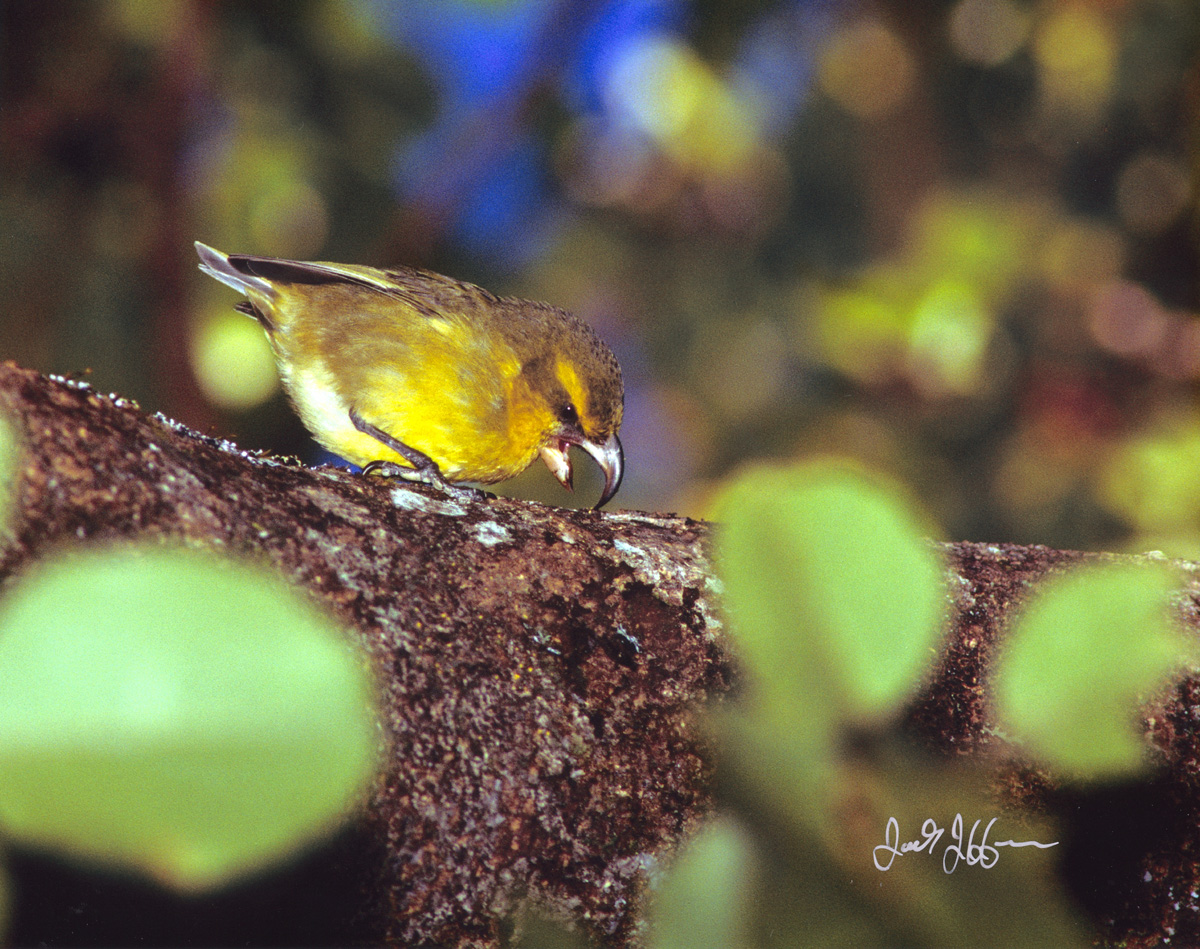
(980, 854)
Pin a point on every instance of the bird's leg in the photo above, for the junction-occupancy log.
(424, 469)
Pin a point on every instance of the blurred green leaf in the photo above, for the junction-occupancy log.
(1087, 647)
(702, 900)
(950, 333)
(835, 596)
(862, 330)
(1149, 480)
(169, 712)
(982, 237)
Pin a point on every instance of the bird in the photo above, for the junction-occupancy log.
(411, 374)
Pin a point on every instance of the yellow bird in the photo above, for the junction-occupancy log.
(426, 378)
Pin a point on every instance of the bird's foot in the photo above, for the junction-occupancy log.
(424, 469)
(426, 474)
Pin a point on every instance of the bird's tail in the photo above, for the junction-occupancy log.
(259, 292)
(218, 265)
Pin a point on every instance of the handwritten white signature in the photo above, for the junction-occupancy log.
(982, 854)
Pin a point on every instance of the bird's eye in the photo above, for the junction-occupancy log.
(568, 413)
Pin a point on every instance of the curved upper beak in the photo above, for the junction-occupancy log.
(608, 456)
(611, 459)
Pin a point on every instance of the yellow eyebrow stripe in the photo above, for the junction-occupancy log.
(569, 377)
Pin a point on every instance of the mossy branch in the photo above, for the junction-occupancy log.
(541, 667)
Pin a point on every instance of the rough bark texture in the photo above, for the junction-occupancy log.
(540, 665)
(542, 668)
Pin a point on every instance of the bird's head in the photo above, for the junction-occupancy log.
(575, 384)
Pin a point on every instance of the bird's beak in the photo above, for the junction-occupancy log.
(611, 460)
(557, 457)
(608, 456)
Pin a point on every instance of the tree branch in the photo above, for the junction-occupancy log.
(541, 666)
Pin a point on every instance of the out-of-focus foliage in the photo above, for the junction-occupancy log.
(858, 837)
(184, 717)
(1085, 649)
(702, 904)
(954, 240)
(809, 785)
(1149, 479)
(836, 596)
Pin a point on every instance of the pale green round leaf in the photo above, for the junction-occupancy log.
(1084, 650)
(173, 713)
(834, 592)
(703, 901)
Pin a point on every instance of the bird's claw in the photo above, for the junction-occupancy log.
(430, 476)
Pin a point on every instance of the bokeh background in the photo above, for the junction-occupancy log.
(955, 239)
